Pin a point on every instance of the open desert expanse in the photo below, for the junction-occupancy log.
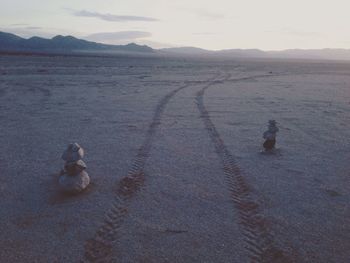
(173, 149)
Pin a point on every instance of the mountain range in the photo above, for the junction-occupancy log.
(316, 54)
(11, 42)
(67, 44)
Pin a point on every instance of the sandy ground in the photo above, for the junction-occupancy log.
(173, 151)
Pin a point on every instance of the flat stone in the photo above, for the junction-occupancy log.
(74, 184)
(81, 164)
(73, 168)
(73, 153)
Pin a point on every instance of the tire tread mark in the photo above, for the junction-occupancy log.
(259, 242)
(99, 248)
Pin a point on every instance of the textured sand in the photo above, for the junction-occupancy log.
(173, 151)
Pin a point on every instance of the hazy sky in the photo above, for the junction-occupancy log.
(220, 24)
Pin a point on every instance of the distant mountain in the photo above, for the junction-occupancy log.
(11, 42)
(186, 50)
(7, 39)
(242, 53)
(328, 54)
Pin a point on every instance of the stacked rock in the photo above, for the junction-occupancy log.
(74, 178)
(270, 135)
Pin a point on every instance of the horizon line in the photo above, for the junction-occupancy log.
(186, 46)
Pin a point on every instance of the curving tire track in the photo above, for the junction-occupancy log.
(99, 248)
(259, 242)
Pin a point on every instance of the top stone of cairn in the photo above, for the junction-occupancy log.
(73, 153)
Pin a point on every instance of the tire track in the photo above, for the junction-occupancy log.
(99, 248)
(259, 242)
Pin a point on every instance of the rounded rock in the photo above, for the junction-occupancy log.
(74, 184)
(73, 153)
(73, 168)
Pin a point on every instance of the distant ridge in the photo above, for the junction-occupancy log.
(11, 42)
(67, 44)
(187, 50)
(323, 54)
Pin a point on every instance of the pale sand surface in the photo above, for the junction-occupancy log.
(188, 133)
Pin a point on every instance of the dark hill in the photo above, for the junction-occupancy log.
(11, 42)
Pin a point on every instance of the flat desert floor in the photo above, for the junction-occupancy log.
(173, 149)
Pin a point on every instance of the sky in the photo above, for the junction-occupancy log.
(214, 25)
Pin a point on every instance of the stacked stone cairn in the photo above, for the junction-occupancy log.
(270, 135)
(73, 177)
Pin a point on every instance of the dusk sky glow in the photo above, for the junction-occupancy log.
(222, 24)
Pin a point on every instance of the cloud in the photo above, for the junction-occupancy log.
(117, 37)
(24, 27)
(203, 13)
(297, 33)
(209, 15)
(34, 28)
(112, 17)
(204, 33)
(19, 24)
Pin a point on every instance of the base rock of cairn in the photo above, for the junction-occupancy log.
(73, 178)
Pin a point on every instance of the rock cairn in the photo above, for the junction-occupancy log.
(74, 178)
(270, 135)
